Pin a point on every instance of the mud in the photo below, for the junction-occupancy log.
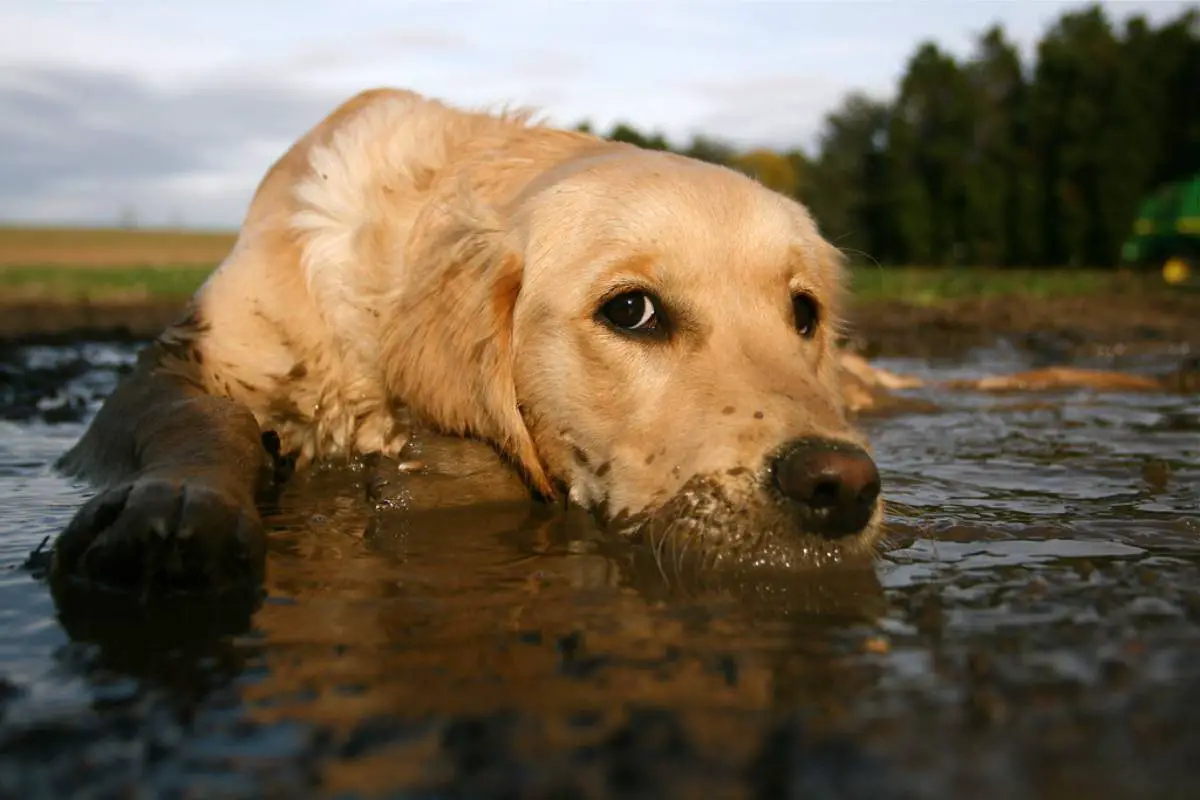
(1051, 330)
(1033, 629)
(68, 321)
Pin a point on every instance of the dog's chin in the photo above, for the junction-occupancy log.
(712, 525)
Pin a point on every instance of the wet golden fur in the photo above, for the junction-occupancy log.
(404, 252)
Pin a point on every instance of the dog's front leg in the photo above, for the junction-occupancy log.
(178, 471)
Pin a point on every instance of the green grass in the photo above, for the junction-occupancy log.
(931, 286)
(77, 283)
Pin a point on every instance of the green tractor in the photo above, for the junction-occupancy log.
(1167, 232)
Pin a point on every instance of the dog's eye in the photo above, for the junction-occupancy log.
(632, 311)
(805, 309)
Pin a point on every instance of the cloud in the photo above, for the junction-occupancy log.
(95, 36)
(393, 45)
(782, 111)
(95, 143)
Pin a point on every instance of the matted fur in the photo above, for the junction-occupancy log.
(406, 253)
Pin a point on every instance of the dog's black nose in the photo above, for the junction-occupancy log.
(834, 484)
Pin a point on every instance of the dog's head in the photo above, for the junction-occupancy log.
(655, 336)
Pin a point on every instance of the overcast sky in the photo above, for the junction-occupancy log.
(174, 109)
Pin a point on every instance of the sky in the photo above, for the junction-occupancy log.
(168, 112)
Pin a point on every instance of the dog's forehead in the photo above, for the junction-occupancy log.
(657, 194)
(672, 213)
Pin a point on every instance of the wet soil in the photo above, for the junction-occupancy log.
(67, 321)
(1054, 328)
(1032, 630)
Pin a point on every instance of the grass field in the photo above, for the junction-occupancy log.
(101, 263)
(70, 264)
(64, 283)
(930, 286)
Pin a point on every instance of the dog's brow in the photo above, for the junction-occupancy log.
(641, 264)
(804, 255)
(803, 268)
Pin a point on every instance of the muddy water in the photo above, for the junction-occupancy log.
(1033, 631)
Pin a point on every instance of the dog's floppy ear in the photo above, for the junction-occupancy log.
(447, 349)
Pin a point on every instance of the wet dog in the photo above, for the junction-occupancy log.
(647, 336)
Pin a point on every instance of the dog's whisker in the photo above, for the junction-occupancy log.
(677, 551)
(658, 554)
(683, 552)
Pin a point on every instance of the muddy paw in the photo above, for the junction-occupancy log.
(162, 535)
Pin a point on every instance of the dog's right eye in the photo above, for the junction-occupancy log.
(632, 311)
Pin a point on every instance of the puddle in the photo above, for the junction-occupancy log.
(1034, 630)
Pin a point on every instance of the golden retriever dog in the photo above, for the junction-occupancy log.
(646, 336)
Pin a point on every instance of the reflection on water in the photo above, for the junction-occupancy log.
(1033, 629)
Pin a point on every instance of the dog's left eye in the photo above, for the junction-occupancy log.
(804, 307)
(632, 311)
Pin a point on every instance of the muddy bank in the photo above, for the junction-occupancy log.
(1058, 327)
(1054, 326)
(58, 321)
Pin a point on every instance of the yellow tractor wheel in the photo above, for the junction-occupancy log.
(1176, 271)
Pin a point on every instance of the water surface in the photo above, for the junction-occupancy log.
(1033, 631)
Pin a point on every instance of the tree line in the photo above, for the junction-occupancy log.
(990, 161)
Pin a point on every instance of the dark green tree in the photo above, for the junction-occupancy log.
(624, 132)
(1000, 161)
(714, 152)
(1093, 142)
(846, 186)
(931, 143)
(1177, 48)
